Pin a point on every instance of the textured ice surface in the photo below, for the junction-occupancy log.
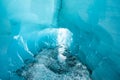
(46, 66)
(89, 29)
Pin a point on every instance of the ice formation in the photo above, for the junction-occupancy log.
(59, 39)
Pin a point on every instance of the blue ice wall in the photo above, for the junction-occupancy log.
(95, 25)
(26, 26)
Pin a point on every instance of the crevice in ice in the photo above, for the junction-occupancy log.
(23, 43)
(20, 57)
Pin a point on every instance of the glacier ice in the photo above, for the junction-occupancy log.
(47, 66)
(59, 39)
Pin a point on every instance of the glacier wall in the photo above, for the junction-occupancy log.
(28, 26)
(95, 25)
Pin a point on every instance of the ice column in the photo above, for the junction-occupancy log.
(64, 40)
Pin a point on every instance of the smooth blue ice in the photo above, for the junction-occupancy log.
(32, 30)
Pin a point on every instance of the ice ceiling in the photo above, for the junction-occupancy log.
(59, 40)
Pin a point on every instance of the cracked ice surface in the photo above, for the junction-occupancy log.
(47, 67)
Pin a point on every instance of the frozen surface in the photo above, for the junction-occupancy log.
(47, 66)
(38, 36)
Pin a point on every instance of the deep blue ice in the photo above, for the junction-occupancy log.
(59, 40)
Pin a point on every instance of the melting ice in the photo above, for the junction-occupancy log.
(59, 40)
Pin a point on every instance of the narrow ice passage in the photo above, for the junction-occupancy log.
(59, 39)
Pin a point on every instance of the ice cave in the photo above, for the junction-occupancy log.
(59, 39)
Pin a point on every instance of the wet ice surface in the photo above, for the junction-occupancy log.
(94, 25)
(46, 66)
